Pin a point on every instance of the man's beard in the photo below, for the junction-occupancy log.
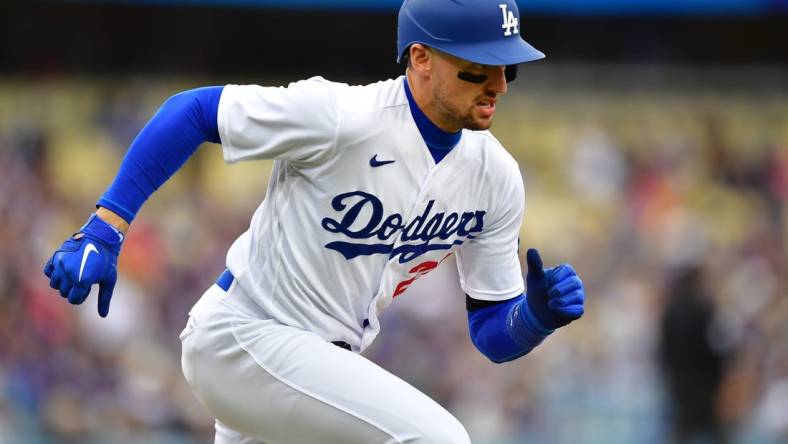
(454, 116)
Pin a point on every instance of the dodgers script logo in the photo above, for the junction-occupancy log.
(510, 21)
(377, 234)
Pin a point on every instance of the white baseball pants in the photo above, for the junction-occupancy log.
(266, 382)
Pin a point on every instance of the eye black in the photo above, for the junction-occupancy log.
(472, 78)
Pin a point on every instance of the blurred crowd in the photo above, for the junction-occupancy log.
(670, 204)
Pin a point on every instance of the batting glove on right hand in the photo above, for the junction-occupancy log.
(555, 295)
(86, 258)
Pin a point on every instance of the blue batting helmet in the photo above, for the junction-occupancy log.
(480, 31)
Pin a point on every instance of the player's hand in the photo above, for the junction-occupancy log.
(555, 295)
(86, 258)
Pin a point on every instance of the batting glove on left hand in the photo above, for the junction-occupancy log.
(555, 295)
(88, 257)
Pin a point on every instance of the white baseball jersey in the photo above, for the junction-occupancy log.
(357, 209)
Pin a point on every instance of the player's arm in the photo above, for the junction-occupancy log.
(504, 327)
(165, 143)
(506, 330)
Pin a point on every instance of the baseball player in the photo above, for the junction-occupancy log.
(373, 187)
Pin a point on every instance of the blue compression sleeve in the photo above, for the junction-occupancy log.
(182, 123)
(506, 331)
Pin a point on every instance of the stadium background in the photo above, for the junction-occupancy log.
(653, 140)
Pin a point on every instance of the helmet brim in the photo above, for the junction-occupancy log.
(514, 52)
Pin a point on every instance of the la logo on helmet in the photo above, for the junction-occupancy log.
(510, 22)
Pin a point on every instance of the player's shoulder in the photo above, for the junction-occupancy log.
(314, 91)
(500, 171)
(316, 85)
(486, 149)
(378, 95)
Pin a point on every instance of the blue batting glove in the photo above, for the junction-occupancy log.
(555, 296)
(86, 258)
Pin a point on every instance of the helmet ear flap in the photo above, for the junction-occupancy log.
(510, 72)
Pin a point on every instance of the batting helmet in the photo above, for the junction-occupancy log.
(480, 31)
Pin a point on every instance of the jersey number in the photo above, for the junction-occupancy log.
(417, 272)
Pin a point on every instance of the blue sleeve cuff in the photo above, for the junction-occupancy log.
(126, 214)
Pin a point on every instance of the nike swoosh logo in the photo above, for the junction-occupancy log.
(374, 162)
(90, 248)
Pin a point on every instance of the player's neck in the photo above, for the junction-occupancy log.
(421, 94)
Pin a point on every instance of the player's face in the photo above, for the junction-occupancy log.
(461, 103)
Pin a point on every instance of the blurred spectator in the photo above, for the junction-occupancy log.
(692, 368)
